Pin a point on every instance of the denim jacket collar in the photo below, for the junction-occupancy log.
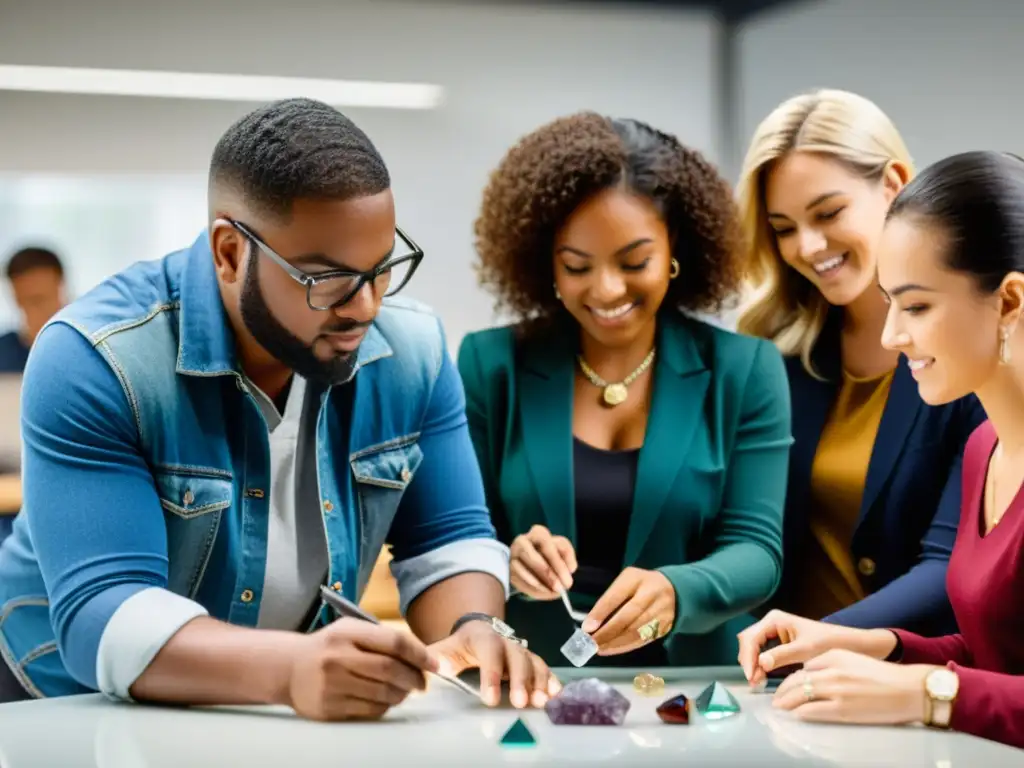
(206, 345)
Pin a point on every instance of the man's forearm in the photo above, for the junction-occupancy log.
(210, 662)
(431, 615)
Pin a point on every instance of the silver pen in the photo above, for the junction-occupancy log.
(345, 607)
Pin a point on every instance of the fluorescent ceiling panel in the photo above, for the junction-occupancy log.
(195, 85)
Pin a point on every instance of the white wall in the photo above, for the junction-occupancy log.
(506, 70)
(948, 72)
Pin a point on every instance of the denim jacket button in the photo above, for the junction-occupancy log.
(247, 596)
(188, 498)
(328, 507)
(405, 474)
(336, 586)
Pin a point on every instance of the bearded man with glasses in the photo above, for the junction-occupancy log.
(213, 437)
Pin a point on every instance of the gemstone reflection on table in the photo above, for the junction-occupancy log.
(587, 702)
(715, 702)
(675, 711)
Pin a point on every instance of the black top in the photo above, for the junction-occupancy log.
(604, 483)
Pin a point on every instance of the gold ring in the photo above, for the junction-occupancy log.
(649, 631)
(808, 687)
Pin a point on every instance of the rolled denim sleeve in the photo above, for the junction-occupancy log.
(97, 526)
(442, 527)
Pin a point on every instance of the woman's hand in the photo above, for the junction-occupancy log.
(634, 599)
(541, 563)
(846, 687)
(801, 640)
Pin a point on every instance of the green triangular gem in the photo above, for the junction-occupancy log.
(518, 736)
(715, 702)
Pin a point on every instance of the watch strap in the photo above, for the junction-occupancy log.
(941, 713)
(468, 617)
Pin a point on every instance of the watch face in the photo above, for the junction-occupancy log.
(942, 684)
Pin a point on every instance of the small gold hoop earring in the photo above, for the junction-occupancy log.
(673, 271)
(1004, 347)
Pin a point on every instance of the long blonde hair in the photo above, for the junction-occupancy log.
(780, 304)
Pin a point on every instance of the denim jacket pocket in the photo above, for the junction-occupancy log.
(388, 466)
(193, 500)
(188, 493)
(382, 474)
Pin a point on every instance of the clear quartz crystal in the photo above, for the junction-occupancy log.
(579, 648)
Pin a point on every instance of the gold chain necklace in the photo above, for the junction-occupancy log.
(615, 392)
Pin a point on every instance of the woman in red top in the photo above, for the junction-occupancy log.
(952, 268)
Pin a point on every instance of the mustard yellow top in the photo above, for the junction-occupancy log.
(829, 579)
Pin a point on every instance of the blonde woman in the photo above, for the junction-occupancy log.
(874, 478)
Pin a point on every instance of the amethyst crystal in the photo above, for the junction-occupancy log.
(587, 702)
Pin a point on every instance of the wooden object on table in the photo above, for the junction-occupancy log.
(10, 494)
(381, 595)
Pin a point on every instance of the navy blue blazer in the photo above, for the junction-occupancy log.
(911, 504)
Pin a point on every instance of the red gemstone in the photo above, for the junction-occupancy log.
(675, 711)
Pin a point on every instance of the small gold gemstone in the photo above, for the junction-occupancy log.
(648, 684)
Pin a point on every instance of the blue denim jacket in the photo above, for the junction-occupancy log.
(146, 464)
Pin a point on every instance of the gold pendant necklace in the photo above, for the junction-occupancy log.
(615, 392)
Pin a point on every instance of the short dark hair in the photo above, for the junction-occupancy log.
(550, 172)
(976, 199)
(33, 257)
(296, 149)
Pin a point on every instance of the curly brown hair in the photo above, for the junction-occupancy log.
(550, 172)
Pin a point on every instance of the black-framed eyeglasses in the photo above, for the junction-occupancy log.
(327, 290)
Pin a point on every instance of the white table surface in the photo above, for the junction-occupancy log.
(443, 727)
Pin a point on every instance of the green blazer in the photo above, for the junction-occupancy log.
(711, 479)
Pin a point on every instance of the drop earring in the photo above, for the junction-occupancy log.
(1004, 346)
(673, 271)
(557, 294)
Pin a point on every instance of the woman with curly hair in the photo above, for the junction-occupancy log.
(874, 481)
(633, 455)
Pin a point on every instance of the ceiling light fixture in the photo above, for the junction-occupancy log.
(216, 87)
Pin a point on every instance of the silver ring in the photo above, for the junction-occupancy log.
(808, 687)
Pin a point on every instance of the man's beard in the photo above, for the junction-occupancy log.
(287, 348)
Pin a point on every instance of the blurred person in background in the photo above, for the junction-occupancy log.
(633, 454)
(200, 461)
(873, 496)
(36, 277)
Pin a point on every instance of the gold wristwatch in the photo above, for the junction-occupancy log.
(941, 688)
